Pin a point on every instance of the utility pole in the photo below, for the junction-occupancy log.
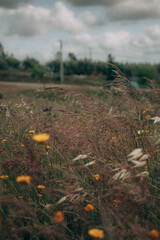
(90, 54)
(61, 61)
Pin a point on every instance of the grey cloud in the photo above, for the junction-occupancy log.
(134, 10)
(81, 3)
(13, 3)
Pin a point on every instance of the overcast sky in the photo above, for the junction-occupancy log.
(128, 29)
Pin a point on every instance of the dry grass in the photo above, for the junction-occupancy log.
(105, 126)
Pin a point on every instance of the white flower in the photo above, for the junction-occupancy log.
(79, 157)
(156, 119)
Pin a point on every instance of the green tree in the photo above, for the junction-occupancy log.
(110, 73)
(72, 57)
(29, 63)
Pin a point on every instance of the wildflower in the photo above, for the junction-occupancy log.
(31, 131)
(59, 217)
(89, 208)
(39, 195)
(96, 233)
(40, 187)
(41, 137)
(79, 157)
(156, 119)
(20, 197)
(23, 179)
(147, 110)
(43, 153)
(113, 139)
(3, 141)
(47, 147)
(108, 133)
(154, 234)
(96, 176)
(22, 145)
(4, 177)
(147, 117)
(140, 132)
(116, 202)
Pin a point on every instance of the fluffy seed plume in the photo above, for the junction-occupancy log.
(156, 119)
(122, 174)
(79, 157)
(136, 153)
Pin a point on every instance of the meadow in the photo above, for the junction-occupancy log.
(80, 164)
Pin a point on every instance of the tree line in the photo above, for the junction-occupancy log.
(75, 66)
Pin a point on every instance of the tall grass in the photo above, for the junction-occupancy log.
(100, 127)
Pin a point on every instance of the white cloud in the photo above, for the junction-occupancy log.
(90, 20)
(30, 21)
(63, 18)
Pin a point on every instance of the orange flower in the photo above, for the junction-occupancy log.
(59, 217)
(89, 208)
(24, 179)
(4, 177)
(40, 187)
(154, 234)
(147, 117)
(22, 145)
(47, 147)
(20, 197)
(39, 195)
(31, 131)
(96, 176)
(3, 141)
(41, 137)
(96, 233)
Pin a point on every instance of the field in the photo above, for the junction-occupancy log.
(95, 174)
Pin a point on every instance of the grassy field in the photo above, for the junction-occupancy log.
(94, 175)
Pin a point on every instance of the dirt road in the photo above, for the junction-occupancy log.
(42, 85)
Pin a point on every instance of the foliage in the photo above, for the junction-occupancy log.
(37, 72)
(29, 63)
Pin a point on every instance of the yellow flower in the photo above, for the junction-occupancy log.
(41, 137)
(4, 176)
(47, 147)
(24, 179)
(96, 176)
(40, 187)
(89, 208)
(154, 234)
(96, 233)
(3, 141)
(147, 117)
(140, 132)
(59, 217)
(22, 145)
(31, 131)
